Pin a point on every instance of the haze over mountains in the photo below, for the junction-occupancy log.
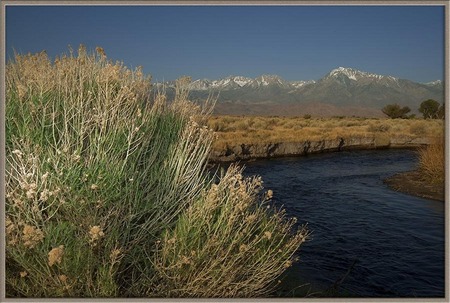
(343, 91)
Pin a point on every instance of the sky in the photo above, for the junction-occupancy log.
(301, 42)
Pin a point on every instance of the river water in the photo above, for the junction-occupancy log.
(394, 241)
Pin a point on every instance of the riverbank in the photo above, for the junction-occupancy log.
(245, 138)
(413, 183)
(248, 151)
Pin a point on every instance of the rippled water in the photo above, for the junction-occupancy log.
(396, 240)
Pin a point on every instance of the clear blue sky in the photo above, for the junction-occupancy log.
(294, 42)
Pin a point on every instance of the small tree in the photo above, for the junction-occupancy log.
(441, 112)
(394, 111)
(429, 109)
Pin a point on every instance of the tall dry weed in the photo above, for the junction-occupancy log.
(432, 161)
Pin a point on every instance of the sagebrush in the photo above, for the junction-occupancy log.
(102, 174)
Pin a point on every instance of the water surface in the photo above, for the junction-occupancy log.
(395, 241)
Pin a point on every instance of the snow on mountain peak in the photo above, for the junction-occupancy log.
(437, 82)
(232, 81)
(355, 74)
(270, 79)
(298, 84)
(266, 80)
(349, 72)
(241, 81)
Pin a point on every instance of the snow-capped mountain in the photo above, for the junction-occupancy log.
(267, 80)
(298, 84)
(354, 74)
(346, 86)
(237, 82)
(434, 83)
(231, 82)
(342, 86)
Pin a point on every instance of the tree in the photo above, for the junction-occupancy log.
(394, 111)
(441, 112)
(429, 109)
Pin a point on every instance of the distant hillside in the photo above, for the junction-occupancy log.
(343, 91)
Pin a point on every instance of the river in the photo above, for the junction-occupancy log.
(395, 241)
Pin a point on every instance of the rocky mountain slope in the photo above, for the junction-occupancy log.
(343, 91)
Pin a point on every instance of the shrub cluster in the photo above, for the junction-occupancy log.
(225, 237)
(107, 193)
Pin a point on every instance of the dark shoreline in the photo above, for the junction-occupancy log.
(413, 183)
(250, 151)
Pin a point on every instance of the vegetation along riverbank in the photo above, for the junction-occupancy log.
(427, 181)
(107, 192)
(244, 137)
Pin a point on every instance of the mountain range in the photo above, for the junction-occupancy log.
(343, 91)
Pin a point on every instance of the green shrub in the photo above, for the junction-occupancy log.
(96, 174)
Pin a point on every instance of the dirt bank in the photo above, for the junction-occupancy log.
(413, 183)
(247, 151)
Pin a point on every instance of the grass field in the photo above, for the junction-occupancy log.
(234, 130)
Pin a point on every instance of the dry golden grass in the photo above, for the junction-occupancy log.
(234, 130)
(432, 161)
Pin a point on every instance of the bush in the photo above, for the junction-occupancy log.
(97, 173)
(92, 168)
(432, 161)
(195, 257)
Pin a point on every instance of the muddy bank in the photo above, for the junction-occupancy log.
(301, 148)
(413, 183)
